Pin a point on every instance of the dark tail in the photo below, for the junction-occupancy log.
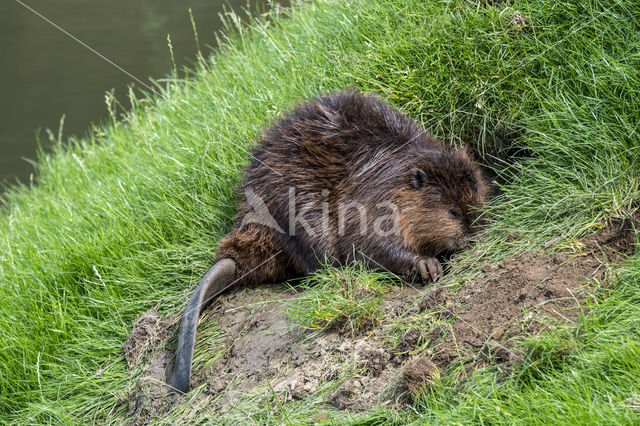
(218, 279)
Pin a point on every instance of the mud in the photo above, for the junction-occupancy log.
(479, 325)
(149, 331)
(511, 300)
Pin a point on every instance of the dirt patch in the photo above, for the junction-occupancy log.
(259, 340)
(513, 299)
(479, 325)
(149, 331)
(151, 397)
(522, 296)
(514, 19)
(417, 373)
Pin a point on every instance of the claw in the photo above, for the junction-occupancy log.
(429, 268)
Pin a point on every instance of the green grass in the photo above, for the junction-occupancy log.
(348, 299)
(131, 215)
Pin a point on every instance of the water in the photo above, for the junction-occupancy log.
(45, 73)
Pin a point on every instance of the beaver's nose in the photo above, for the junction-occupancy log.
(458, 243)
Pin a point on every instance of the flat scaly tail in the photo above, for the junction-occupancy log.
(215, 281)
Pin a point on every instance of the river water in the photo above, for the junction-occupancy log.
(44, 73)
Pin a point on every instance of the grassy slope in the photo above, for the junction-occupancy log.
(131, 215)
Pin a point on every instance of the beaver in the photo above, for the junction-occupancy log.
(342, 178)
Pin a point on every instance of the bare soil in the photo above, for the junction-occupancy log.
(480, 325)
(149, 332)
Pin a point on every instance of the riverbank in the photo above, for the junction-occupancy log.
(128, 218)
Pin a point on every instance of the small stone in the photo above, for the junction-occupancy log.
(560, 258)
(346, 346)
(412, 336)
(217, 385)
(498, 333)
(417, 373)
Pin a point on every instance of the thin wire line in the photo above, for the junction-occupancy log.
(87, 46)
(117, 66)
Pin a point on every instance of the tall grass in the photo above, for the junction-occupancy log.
(131, 214)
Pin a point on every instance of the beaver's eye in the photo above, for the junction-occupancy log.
(454, 213)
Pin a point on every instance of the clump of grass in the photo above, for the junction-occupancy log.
(427, 328)
(347, 299)
(209, 346)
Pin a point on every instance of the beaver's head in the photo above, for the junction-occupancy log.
(439, 206)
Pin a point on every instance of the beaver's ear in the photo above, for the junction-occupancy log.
(418, 178)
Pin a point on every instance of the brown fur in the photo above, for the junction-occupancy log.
(351, 148)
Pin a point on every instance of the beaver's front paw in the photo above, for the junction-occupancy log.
(429, 269)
